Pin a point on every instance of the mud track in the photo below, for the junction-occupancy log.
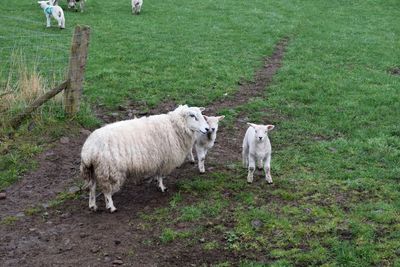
(71, 235)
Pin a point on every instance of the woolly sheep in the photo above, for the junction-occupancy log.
(205, 142)
(138, 148)
(257, 150)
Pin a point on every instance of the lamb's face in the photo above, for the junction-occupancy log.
(261, 131)
(195, 120)
(213, 123)
(43, 4)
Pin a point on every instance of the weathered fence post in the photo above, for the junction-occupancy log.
(77, 64)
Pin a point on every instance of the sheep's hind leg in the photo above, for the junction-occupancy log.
(267, 169)
(109, 202)
(92, 196)
(161, 184)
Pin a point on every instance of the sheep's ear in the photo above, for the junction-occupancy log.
(251, 125)
(205, 117)
(202, 109)
(270, 127)
(220, 117)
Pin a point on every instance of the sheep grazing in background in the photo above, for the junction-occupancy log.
(54, 11)
(136, 6)
(205, 142)
(71, 4)
(257, 150)
(138, 148)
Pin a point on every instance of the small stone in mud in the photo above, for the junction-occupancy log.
(83, 235)
(117, 262)
(95, 249)
(64, 140)
(85, 132)
(74, 189)
(3, 195)
(256, 223)
(107, 259)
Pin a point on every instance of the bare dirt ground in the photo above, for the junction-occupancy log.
(70, 235)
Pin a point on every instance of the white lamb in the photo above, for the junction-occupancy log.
(55, 11)
(205, 142)
(136, 6)
(138, 148)
(257, 150)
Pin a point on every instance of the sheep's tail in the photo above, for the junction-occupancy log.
(87, 174)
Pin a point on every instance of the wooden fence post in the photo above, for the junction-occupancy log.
(77, 64)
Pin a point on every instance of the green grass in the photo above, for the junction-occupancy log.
(336, 196)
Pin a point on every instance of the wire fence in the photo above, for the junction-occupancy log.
(31, 64)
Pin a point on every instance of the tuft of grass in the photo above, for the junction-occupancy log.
(9, 220)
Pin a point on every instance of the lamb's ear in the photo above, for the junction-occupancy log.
(202, 109)
(220, 117)
(251, 124)
(205, 117)
(270, 127)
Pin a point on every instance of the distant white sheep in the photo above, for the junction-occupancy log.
(71, 4)
(138, 148)
(136, 6)
(53, 11)
(204, 143)
(257, 150)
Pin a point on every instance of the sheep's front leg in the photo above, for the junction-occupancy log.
(109, 202)
(161, 184)
(252, 167)
(92, 196)
(267, 169)
(48, 21)
(201, 157)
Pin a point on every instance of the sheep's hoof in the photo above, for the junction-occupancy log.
(270, 182)
(202, 172)
(163, 190)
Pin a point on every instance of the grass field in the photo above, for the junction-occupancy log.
(336, 151)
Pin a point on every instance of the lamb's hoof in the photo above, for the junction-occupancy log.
(163, 190)
(192, 161)
(249, 182)
(202, 172)
(270, 182)
(112, 210)
(93, 208)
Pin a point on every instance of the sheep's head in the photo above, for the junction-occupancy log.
(213, 122)
(261, 131)
(194, 119)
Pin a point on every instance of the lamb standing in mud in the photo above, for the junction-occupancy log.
(257, 150)
(204, 143)
(139, 148)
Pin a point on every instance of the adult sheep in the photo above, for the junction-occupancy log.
(138, 148)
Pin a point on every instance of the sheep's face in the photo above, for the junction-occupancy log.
(261, 131)
(195, 120)
(213, 123)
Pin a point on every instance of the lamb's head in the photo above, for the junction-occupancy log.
(43, 4)
(213, 122)
(261, 131)
(193, 118)
(53, 2)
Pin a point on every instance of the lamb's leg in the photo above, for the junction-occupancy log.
(82, 5)
(191, 157)
(161, 184)
(92, 196)
(48, 21)
(267, 169)
(109, 202)
(245, 156)
(252, 167)
(201, 157)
